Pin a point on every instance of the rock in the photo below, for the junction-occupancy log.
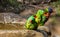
(45, 28)
(10, 17)
(20, 33)
(27, 13)
(54, 26)
(11, 21)
(33, 1)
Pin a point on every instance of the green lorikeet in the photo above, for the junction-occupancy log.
(38, 19)
(34, 20)
(31, 23)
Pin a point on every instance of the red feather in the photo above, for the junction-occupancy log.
(35, 16)
(31, 21)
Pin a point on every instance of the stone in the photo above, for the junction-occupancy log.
(20, 33)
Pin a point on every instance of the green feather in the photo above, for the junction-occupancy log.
(30, 25)
(39, 14)
(35, 21)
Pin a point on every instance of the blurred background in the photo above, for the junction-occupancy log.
(14, 13)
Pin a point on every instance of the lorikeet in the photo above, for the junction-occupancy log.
(31, 23)
(38, 19)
